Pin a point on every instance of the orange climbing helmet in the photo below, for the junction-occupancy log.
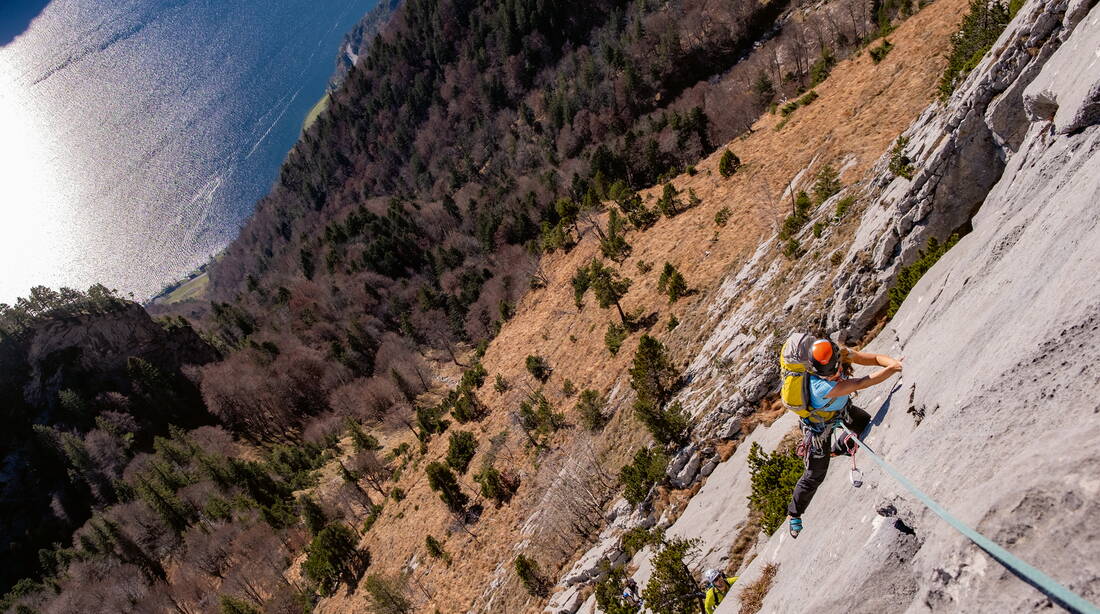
(826, 358)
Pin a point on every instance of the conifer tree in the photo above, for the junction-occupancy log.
(613, 243)
(672, 589)
(728, 164)
(672, 283)
(606, 284)
(443, 481)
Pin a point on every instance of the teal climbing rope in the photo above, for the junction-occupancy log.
(1042, 582)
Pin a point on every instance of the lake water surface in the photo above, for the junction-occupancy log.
(136, 135)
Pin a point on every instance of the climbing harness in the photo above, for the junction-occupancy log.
(813, 433)
(1040, 581)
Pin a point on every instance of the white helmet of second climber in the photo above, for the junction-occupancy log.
(711, 576)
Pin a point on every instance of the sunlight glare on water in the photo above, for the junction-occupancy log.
(135, 137)
(35, 238)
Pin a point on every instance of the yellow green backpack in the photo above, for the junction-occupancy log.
(794, 365)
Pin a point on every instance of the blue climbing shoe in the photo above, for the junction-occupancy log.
(795, 527)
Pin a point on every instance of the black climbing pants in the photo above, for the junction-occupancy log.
(817, 463)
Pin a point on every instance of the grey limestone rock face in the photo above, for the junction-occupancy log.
(690, 470)
(959, 151)
(567, 601)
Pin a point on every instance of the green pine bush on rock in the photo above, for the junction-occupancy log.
(638, 477)
(979, 30)
(910, 275)
(672, 589)
(773, 478)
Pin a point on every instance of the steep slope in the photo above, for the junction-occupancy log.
(999, 339)
(988, 415)
(878, 100)
(82, 377)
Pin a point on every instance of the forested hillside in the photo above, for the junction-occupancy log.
(475, 136)
(271, 450)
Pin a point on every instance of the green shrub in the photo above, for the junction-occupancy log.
(397, 494)
(538, 368)
(372, 517)
(361, 440)
(673, 321)
(669, 203)
(648, 468)
(461, 450)
(494, 485)
(613, 243)
(652, 375)
(332, 558)
(979, 30)
(529, 575)
(773, 479)
(671, 282)
(818, 229)
(500, 385)
(900, 165)
(843, 205)
(630, 203)
(614, 337)
(388, 595)
(793, 249)
(568, 388)
(671, 588)
(443, 481)
(723, 216)
(826, 184)
(635, 539)
(643, 266)
(435, 548)
(798, 218)
(312, 514)
(232, 605)
(537, 416)
(465, 407)
(878, 53)
(590, 408)
(430, 420)
(606, 284)
(728, 164)
(667, 424)
(910, 275)
(822, 67)
(474, 377)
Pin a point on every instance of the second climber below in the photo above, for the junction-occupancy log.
(829, 395)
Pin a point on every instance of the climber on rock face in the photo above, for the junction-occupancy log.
(717, 587)
(631, 594)
(829, 399)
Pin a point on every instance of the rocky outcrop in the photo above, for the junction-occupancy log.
(92, 352)
(85, 352)
(355, 43)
